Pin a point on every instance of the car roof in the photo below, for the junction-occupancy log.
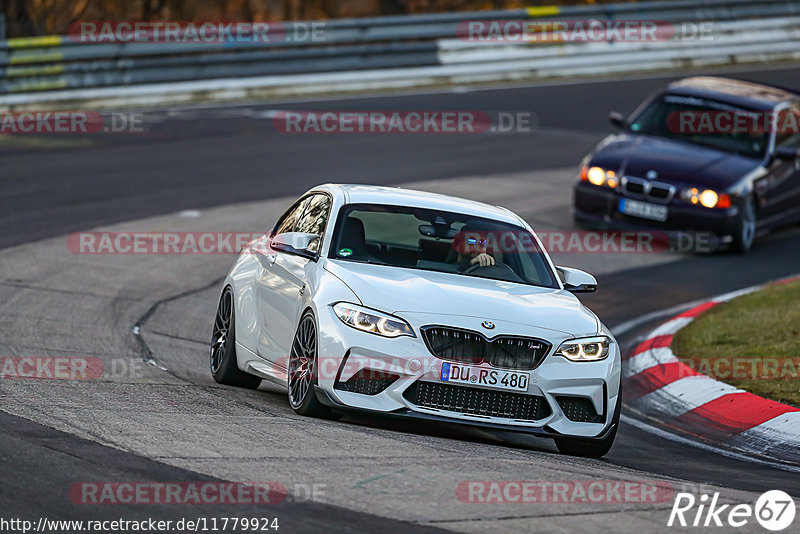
(740, 93)
(398, 196)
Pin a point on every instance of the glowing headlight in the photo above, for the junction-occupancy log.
(707, 198)
(372, 321)
(588, 349)
(599, 176)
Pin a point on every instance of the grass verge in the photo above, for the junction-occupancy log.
(751, 342)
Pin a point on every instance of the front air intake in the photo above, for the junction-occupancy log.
(476, 401)
(367, 382)
(579, 410)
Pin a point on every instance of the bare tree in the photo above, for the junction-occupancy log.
(18, 19)
(38, 17)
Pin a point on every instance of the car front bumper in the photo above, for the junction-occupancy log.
(345, 352)
(598, 207)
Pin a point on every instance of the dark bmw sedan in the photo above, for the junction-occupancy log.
(705, 155)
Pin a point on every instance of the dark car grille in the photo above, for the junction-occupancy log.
(367, 382)
(477, 401)
(660, 192)
(636, 188)
(579, 410)
(654, 191)
(465, 346)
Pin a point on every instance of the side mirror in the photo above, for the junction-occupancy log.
(297, 243)
(787, 153)
(576, 281)
(617, 120)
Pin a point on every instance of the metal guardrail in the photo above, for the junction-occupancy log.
(34, 64)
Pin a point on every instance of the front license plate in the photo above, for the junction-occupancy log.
(654, 212)
(480, 376)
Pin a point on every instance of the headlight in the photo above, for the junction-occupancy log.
(599, 176)
(372, 321)
(707, 198)
(588, 349)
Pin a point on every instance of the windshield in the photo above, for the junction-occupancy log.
(704, 122)
(432, 240)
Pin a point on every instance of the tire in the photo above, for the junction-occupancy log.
(222, 358)
(591, 448)
(745, 232)
(303, 371)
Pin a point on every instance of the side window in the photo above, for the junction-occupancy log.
(289, 219)
(315, 217)
(788, 127)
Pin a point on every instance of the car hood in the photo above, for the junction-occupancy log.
(396, 290)
(674, 161)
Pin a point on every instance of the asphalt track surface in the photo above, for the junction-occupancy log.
(198, 159)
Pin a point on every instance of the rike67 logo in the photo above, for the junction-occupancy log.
(773, 510)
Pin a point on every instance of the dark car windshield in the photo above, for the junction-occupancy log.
(433, 240)
(704, 122)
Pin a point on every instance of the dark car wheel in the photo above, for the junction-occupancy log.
(223, 348)
(745, 231)
(303, 371)
(591, 448)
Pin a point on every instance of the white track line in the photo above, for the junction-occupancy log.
(671, 327)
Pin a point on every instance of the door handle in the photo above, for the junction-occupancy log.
(302, 289)
(272, 258)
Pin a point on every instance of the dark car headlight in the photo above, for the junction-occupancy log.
(599, 176)
(707, 198)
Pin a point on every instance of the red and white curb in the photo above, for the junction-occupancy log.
(660, 387)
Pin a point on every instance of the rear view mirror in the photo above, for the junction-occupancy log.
(438, 231)
(576, 281)
(617, 120)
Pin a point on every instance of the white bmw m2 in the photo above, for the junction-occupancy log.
(417, 305)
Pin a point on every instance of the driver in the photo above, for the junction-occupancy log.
(470, 249)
